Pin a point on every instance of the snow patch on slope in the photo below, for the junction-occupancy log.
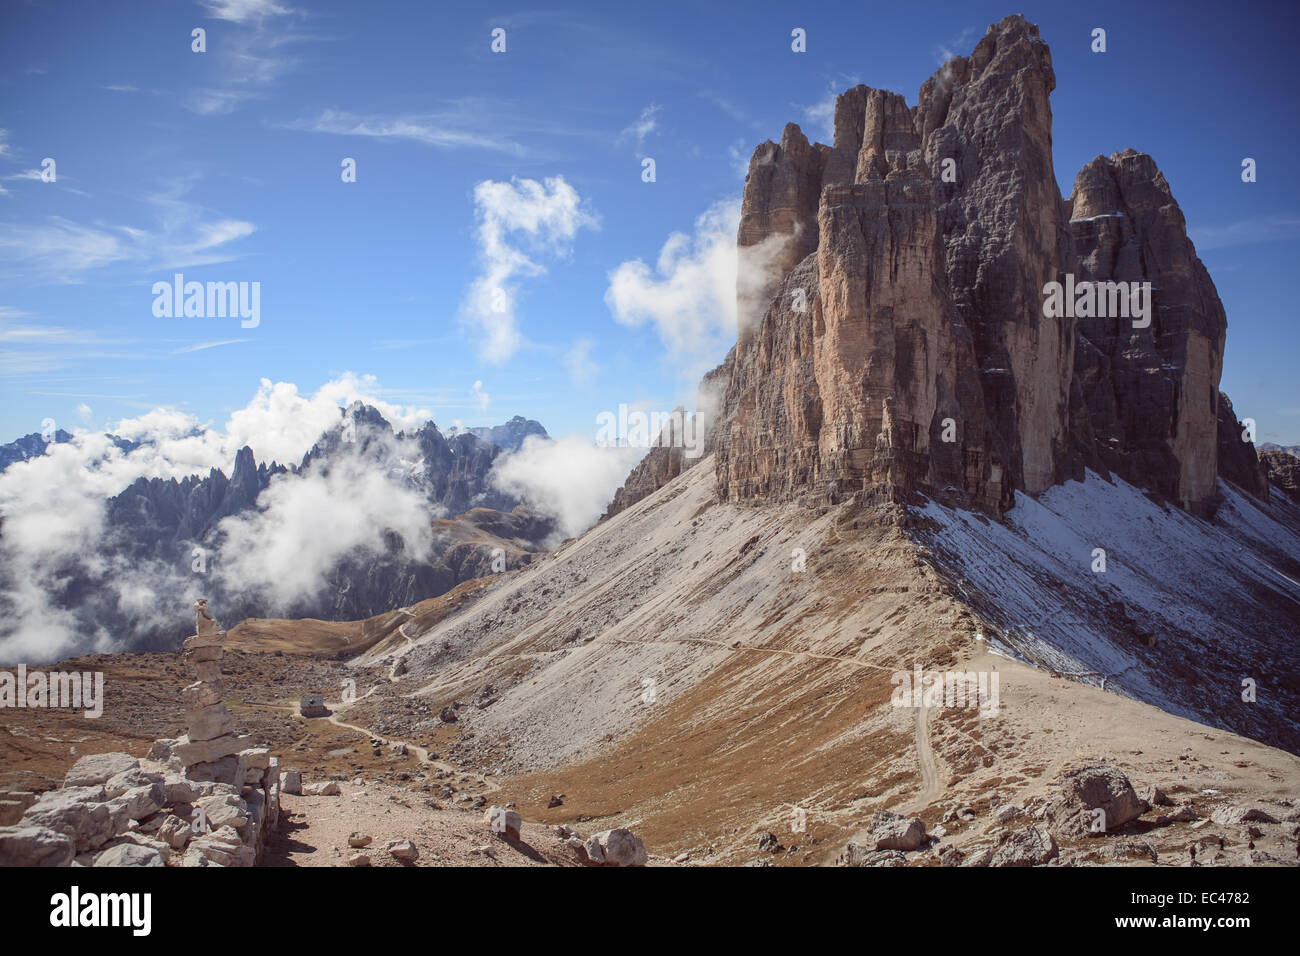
(1185, 609)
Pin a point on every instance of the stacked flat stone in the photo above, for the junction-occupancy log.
(211, 750)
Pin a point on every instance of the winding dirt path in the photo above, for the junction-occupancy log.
(420, 752)
(929, 769)
(757, 649)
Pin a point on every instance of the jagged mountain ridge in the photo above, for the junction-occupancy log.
(1292, 450)
(1283, 470)
(510, 435)
(29, 446)
(451, 473)
(36, 444)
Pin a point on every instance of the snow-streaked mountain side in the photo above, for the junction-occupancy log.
(1184, 611)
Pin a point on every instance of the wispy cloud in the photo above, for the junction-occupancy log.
(1272, 228)
(388, 345)
(25, 334)
(645, 124)
(730, 108)
(33, 348)
(960, 45)
(242, 11)
(739, 157)
(578, 361)
(250, 58)
(63, 251)
(206, 345)
(125, 399)
(16, 362)
(453, 129)
(58, 248)
(216, 102)
(819, 117)
(183, 234)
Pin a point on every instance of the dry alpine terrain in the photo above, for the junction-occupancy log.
(738, 693)
(959, 580)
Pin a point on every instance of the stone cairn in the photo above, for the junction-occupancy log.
(211, 750)
(209, 798)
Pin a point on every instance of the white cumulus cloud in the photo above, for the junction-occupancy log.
(518, 221)
(690, 295)
(54, 513)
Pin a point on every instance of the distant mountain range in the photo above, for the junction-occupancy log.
(511, 435)
(1282, 466)
(1292, 450)
(35, 444)
(171, 530)
(29, 446)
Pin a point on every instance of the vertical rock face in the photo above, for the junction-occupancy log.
(1152, 393)
(904, 344)
(1238, 460)
(1004, 237)
(787, 179)
(768, 439)
(924, 308)
(883, 352)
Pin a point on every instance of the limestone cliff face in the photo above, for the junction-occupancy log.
(904, 344)
(787, 181)
(1004, 237)
(920, 357)
(1152, 392)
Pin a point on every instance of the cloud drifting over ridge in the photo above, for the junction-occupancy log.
(699, 290)
(284, 551)
(569, 479)
(306, 524)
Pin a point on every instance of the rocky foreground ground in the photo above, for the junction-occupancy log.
(99, 792)
(389, 781)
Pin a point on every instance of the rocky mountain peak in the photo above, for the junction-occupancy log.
(510, 435)
(903, 342)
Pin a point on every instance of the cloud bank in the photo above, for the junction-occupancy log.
(56, 532)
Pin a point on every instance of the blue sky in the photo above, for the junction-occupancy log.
(225, 166)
